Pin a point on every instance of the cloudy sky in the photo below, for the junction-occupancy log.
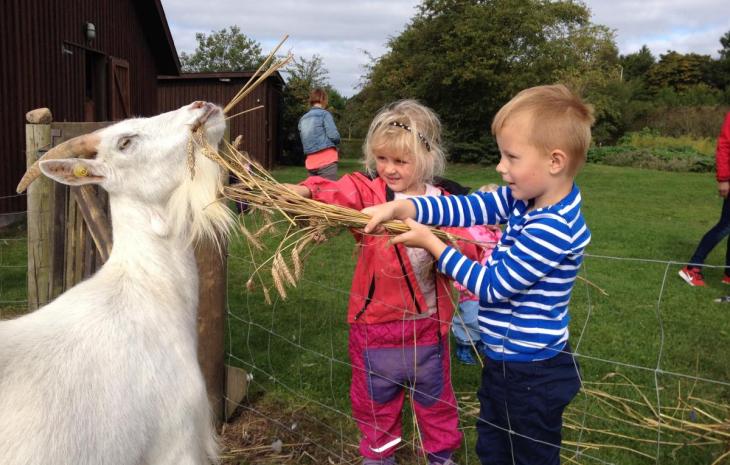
(343, 32)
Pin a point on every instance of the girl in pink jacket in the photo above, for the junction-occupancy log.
(400, 307)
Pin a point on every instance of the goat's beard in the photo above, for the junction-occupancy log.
(196, 209)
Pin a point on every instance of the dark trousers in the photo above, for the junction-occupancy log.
(522, 403)
(713, 237)
(327, 172)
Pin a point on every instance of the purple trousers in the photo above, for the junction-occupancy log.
(388, 359)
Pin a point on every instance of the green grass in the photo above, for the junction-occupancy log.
(297, 349)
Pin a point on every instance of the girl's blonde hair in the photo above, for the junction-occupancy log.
(407, 127)
(559, 120)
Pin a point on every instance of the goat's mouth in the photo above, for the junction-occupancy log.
(210, 110)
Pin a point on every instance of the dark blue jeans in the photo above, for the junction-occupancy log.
(713, 237)
(521, 409)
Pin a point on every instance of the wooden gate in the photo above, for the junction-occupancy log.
(69, 232)
(70, 237)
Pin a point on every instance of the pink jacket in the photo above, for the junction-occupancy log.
(384, 286)
(488, 235)
(722, 154)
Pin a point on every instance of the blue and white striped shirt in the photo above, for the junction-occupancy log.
(524, 289)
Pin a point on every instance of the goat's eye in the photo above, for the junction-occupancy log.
(124, 142)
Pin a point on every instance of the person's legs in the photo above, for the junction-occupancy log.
(465, 324)
(465, 327)
(712, 237)
(377, 398)
(327, 172)
(434, 402)
(537, 396)
(692, 273)
(726, 275)
(493, 441)
(520, 420)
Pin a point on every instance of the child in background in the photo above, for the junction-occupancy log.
(400, 308)
(466, 323)
(530, 374)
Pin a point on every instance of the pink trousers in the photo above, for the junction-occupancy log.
(388, 359)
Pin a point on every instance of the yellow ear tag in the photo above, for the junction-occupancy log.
(80, 171)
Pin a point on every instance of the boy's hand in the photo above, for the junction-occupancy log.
(395, 210)
(420, 236)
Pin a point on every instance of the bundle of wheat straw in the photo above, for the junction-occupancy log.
(308, 220)
(260, 190)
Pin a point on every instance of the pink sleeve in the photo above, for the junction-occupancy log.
(342, 192)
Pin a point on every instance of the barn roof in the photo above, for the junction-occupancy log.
(154, 22)
(221, 76)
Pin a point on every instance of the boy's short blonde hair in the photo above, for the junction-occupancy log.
(559, 120)
(407, 127)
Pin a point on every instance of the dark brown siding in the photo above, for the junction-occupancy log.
(42, 64)
(260, 128)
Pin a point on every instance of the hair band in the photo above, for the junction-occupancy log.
(408, 128)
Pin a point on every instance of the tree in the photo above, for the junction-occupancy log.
(224, 50)
(720, 69)
(725, 50)
(679, 71)
(466, 58)
(636, 65)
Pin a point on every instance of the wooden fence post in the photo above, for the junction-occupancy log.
(212, 273)
(212, 322)
(40, 219)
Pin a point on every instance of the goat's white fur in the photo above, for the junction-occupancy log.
(107, 374)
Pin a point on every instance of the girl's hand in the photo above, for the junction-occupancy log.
(395, 210)
(420, 236)
(301, 190)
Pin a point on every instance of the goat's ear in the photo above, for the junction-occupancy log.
(74, 171)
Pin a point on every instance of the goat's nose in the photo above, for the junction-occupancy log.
(198, 104)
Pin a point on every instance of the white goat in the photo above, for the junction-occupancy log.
(107, 374)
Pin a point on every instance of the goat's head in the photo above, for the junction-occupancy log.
(154, 161)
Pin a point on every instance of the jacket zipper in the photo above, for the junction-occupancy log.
(368, 299)
(408, 282)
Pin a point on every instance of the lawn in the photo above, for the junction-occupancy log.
(652, 341)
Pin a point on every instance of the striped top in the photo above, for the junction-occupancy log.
(525, 288)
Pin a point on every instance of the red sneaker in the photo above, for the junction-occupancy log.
(693, 276)
(726, 279)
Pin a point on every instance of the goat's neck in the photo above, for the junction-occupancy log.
(141, 242)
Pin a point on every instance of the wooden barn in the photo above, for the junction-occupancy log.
(97, 60)
(260, 128)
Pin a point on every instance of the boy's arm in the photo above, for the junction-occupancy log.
(451, 210)
(543, 246)
(393, 210)
(465, 210)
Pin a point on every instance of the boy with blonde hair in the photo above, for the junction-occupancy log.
(530, 374)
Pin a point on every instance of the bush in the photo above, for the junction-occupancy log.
(651, 138)
(698, 122)
(484, 151)
(351, 149)
(682, 159)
